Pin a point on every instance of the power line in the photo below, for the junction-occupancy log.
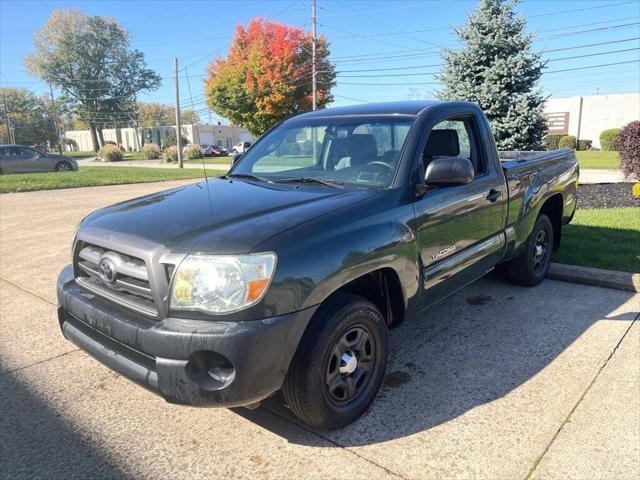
(593, 66)
(591, 30)
(581, 9)
(545, 73)
(592, 45)
(397, 55)
(340, 72)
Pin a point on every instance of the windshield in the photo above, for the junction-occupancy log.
(363, 151)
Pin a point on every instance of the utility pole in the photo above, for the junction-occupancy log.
(7, 120)
(136, 134)
(56, 125)
(178, 128)
(314, 87)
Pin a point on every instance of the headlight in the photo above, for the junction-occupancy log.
(221, 283)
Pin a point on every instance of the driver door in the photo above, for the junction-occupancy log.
(459, 227)
(28, 160)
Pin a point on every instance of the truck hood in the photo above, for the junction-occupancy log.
(221, 216)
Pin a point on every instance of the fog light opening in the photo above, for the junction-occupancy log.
(211, 370)
(222, 375)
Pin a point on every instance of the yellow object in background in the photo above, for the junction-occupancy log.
(636, 189)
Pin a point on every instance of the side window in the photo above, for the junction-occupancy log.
(455, 137)
(24, 151)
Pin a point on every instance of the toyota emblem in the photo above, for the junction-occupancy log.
(107, 271)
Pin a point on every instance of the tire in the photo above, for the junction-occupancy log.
(532, 265)
(63, 167)
(323, 391)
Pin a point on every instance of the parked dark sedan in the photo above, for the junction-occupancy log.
(214, 151)
(21, 159)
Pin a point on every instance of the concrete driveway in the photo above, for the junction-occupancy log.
(497, 382)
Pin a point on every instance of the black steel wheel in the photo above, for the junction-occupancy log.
(340, 363)
(541, 250)
(63, 167)
(350, 364)
(532, 265)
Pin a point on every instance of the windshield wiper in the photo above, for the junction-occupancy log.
(249, 176)
(326, 183)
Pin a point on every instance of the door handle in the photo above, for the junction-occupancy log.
(493, 195)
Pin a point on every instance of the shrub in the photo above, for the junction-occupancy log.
(551, 141)
(608, 139)
(110, 153)
(151, 151)
(584, 144)
(170, 154)
(629, 149)
(192, 152)
(567, 141)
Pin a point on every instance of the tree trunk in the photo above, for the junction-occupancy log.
(94, 137)
(100, 137)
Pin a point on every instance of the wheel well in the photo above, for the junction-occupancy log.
(552, 208)
(383, 288)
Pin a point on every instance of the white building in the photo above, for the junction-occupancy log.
(220, 135)
(587, 117)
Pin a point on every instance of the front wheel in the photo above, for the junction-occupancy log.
(63, 167)
(532, 265)
(340, 363)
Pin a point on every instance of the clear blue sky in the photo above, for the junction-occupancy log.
(364, 35)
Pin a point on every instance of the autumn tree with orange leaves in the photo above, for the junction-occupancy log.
(266, 76)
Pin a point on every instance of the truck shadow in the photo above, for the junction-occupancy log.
(36, 440)
(473, 348)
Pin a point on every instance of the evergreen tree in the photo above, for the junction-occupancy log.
(497, 68)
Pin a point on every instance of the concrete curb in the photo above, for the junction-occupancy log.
(598, 277)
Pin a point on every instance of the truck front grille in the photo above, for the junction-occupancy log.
(126, 284)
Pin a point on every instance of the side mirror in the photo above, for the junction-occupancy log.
(236, 157)
(449, 171)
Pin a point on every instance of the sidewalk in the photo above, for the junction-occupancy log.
(590, 175)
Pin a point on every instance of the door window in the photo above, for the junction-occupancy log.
(455, 137)
(25, 151)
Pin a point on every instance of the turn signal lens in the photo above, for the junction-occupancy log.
(256, 288)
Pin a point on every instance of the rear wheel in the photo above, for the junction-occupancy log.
(63, 167)
(340, 363)
(530, 268)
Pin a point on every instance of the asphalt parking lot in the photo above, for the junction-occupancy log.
(497, 382)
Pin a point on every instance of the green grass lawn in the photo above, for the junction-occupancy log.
(602, 238)
(593, 159)
(134, 156)
(93, 176)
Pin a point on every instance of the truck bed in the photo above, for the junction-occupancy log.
(533, 175)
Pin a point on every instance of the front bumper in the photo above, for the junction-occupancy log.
(172, 357)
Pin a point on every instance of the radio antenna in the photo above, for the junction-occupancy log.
(195, 125)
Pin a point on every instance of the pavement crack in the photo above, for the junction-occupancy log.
(334, 443)
(567, 419)
(28, 291)
(39, 362)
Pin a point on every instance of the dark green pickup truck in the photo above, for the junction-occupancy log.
(289, 272)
